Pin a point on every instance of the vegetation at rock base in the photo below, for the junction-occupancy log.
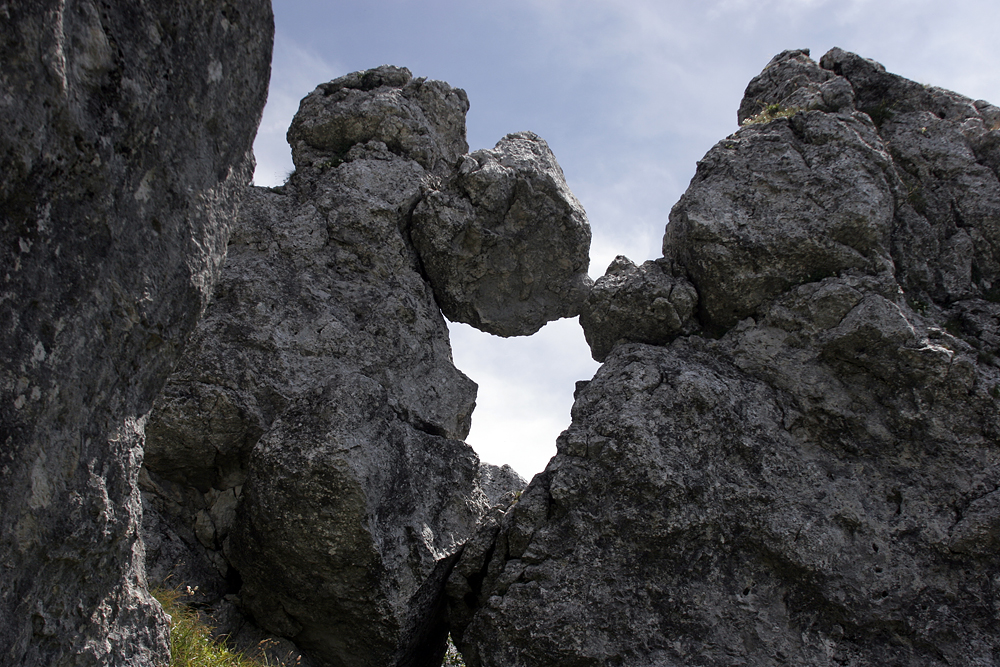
(452, 658)
(192, 645)
(191, 642)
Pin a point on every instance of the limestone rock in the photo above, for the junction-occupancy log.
(499, 483)
(415, 118)
(126, 130)
(951, 247)
(783, 203)
(506, 245)
(815, 484)
(793, 81)
(307, 454)
(643, 304)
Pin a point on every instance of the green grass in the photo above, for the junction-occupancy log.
(769, 113)
(452, 658)
(191, 643)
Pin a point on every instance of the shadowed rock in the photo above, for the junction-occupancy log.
(307, 454)
(125, 131)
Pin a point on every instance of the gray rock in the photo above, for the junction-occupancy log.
(126, 130)
(644, 304)
(345, 516)
(506, 244)
(415, 118)
(794, 82)
(783, 203)
(307, 453)
(814, 485)
(949, 250)
(500, 484)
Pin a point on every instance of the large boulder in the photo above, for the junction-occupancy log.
(125, 131)
(305, 463)
(505, 244)
(816, 482)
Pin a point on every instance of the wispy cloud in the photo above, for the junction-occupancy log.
(295, 71)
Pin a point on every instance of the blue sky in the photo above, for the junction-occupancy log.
(629, 94)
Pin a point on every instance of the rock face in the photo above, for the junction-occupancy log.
(816, 482)
(126, 130)
(308, 452)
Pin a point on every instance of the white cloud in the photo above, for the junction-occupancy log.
(295, 71)
(525, 390)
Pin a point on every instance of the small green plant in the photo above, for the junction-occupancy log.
(919, 305)
(770, 112)
(191, 643)
(452, 658)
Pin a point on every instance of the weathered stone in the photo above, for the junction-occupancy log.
(499, 483)
(307, 453)
(643, 304)
(951, 246)
(126, 130)
(783, 203)
(817, 484)
(505, 245)
(794, 82)
(415, 118)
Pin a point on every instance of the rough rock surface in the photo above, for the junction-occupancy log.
(499, 483)
(126, 130)
(818, 482)
(505, 245)
(642, 304)
(307, 454)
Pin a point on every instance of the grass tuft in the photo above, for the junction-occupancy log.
(191, 643)
(452, 658)
(769, 113)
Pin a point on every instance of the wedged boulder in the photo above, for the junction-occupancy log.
(305, 463)
(506, 245)
(813, 485)
(125, 132)
(642, 304)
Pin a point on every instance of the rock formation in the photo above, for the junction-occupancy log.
(305, 463)
(126, 130)
(505, 244)
(805, 472)
(645, 304)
